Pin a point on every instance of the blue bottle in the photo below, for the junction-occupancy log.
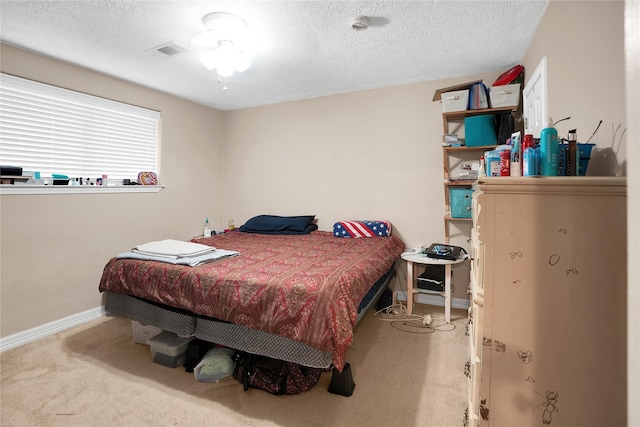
(549, 150)
(529, 162)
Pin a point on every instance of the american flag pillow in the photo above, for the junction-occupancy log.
(362, 229)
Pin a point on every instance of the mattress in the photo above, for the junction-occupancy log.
(305, 288)
(233, 336)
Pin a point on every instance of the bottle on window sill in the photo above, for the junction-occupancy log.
(207, 230)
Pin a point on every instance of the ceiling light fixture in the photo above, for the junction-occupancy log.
(226, 45)
(360, 23)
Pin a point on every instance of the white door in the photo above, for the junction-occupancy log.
(535, 101)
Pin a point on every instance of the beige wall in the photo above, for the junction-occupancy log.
(54, 247)
(583, 42)
(370, 154)
(374, 154)
(377, 153)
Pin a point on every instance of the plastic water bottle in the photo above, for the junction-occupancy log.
(207, 231)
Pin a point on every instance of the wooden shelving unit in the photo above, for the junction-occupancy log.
(457, 118)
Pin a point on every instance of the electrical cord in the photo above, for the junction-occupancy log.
(400, 319)
(419, 328)
(396, 312)
(399, 316)
(421, 324)
(438, 323)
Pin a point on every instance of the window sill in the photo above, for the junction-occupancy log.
(70, 189)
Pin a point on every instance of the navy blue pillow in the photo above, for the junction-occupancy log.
(273, 224)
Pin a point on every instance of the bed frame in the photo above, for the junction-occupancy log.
(238, 337)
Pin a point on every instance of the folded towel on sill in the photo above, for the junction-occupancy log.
(173, 248)
(192, 261)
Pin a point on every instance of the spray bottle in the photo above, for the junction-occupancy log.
(549, 150)
(528, 156)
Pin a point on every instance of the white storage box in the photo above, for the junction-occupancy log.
(168, 349)
(455, 101)
(505, 96)
(142, 333)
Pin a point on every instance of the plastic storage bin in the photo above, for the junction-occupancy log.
(584, 151)
(505, 96)
(455, 101)
(142, 333)
(480, 131)
(460, 201)
(168, 349)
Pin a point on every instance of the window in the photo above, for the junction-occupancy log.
(52, 130)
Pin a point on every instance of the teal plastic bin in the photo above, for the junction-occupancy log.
(480, 131)
(460, 202)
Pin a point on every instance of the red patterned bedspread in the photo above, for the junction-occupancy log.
(307, 288)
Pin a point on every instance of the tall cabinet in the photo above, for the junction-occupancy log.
(548, 315)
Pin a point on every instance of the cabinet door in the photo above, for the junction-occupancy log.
(535, 100)
(557, 338)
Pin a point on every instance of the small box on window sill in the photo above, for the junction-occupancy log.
(11, 170)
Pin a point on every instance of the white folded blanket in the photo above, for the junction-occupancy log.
(191, 261)
(173, 248)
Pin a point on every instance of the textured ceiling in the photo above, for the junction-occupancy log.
(308, 47)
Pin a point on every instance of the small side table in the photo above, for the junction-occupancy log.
(415, 257)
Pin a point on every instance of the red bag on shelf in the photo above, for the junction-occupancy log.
(510, 76)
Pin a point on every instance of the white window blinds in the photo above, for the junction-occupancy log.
(53, 130)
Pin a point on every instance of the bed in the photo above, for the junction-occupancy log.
(291, 297)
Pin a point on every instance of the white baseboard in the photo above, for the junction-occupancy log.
(436, 300)
(33, 334)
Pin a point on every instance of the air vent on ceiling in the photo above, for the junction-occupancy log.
(166, 50)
